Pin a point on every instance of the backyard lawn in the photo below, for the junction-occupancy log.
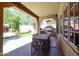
(24, 34)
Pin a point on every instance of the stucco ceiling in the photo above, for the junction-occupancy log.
(43, 8)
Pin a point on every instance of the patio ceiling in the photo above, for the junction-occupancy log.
(43, 8)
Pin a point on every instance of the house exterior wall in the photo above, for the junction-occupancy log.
(67, 47)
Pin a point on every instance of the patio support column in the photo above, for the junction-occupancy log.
(1, 30)
(57, 25)
(38, 25)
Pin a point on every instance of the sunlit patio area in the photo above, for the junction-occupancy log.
(18, 31)
(15, 42)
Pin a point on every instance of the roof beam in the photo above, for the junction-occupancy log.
(6, 4)
(22, 7)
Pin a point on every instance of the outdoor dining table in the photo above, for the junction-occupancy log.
(42, 38)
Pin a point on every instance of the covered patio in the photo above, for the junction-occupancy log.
(39, 17)
(43, 43)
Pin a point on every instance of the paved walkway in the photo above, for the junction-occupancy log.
(12, 43)
(8, 34)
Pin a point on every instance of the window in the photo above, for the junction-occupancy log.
(71, 23)
(76, 24)
(65, 24)
(72, 29)
(71, 5)
(65, 27)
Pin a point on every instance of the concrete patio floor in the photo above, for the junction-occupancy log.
(22, 47)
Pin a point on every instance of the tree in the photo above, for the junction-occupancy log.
(12, 19)
(15, 19)
(14, 23)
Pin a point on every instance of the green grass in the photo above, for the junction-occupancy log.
(24, 34)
